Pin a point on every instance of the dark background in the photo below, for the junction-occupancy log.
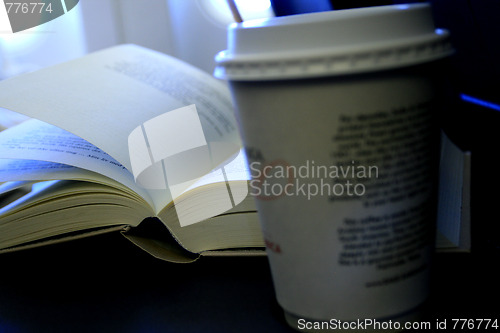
(107, 284)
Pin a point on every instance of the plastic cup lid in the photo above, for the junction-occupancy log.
(332, 43)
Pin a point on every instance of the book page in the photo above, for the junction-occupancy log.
(233, 175)
(36, 140)
(39, 171)
(29, 170)
(104, 96)
(235, 170)
(34, 150)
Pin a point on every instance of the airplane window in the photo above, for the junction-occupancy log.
(39, 46)
(249, 9)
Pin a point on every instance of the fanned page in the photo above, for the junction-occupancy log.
(17, 170)
(235, 170)
(36, 140)
(107, 95)
(34, 150)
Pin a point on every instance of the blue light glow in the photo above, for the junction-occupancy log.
(480, 102)
(403, 6)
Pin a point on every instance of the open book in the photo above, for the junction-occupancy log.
(133, 140)
(117, 139)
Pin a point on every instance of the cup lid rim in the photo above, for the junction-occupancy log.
(418, 47)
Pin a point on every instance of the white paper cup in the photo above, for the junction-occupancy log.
(338, 116)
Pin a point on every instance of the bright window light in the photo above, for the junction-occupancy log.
(15, 45)
(249, 9)
(21, 40)
(253, 6)
(46, 44)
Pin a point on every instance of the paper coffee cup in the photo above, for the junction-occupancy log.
(338, 115)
